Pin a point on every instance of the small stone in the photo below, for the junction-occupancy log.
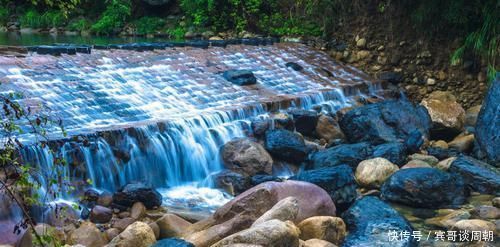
(445, 164)
(474, 225)
(496, 202)
(111, 233)
(440, 144)
(215, 38)
(363, 54)
(431, 81)
(486, 212)
(331, 229)
(380, 48)
(172, 225)
(448, 220)
(416, 164)
(286, 209)
(361, 43)
(314, 242)
(373, 172)
(138, 234)
(429, 159)
(138, 210)
(100, 214)
(441, 75)
(121, 224)
(462, 143)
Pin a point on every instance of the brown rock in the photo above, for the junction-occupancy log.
(447, 221)
(331, 229)
(496, 202)
(474, 225)
(314, 242)
(215, 233)
(429, 159)
(138, 210)
(87, 235)
(272, 233)
(328, 129)
(486, 212)
(105, 199)
(415, 164)
(138, 234)
(373, 172)
(471, 115)
(100, 215)
(313, 201)
(111, 233)
(462, 143)
(121, 224)
(246, 157)
(447, 115)
(440, 144)
(445, 164)
(156, 229)
(286, 209)
(172, 225)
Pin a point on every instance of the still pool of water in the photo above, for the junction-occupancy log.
(25, 39)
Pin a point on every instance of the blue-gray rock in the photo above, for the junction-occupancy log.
(395, 152)
(369, 221)
(338, 181)
(294, 66)
(240, 77)
(350, 154)
(478, 176)
(172, 242)
(137, 192)
(258, 179)
(305, 120)
(488, 123)
(442, 153)
(388, 121)
(286, 145)
(424, 187)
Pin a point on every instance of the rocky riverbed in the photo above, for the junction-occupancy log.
(386, 173)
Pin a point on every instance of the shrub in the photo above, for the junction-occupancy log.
(149, 25)
(114, 17)
(80, 24)
(4, 15)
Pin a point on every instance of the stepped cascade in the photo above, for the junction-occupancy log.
(160, 117)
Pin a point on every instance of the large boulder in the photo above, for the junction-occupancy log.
(369, 220)
(271, 233)
(488, 123)
(240, 77)
(215, 233)
(246, 157)
(138, 234)
(448, 116)
(387, 121)
(87, 235)
(305, 120)
(478, 176)
(331, 229)
(286, 209)
(338, 181)
(350, 154)
(312, 200)
(138, 192)
(372, 173)
(424, 187)
(286, 145)
(100, 214)
(328, 129)
(395, 152)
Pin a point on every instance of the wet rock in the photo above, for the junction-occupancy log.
(474, 225)
(447, 221)
(260, 126)
(105, 199)
(372, 173)
(111, 233)
(213, 234)
(391, 77)
(441, 153)
(486, 212)
(138, 192)
(256, 201)
(496, 202)
(286, 145)
(172, 242)
(294, 66)
(246, 157)
(90, 198)
(283, 121)
(172, 225)
(416, 164)
(100, 214)
(87, 235)
(424, 187)
(305, 120)
(440, 144)
(240, 77)
(138, 210)
(121, 224)
(272, 233)
(258, 179)
(328, 129)
(338, 181)
(317, 243)
(471, 115)
(488, 123)
(429, 159)
(231, 182)
(395, 152)
(61, 214)
(331, 229)
(156, 229)
(387, 121)
(138, 234)
(286, 209)
(478, 176)
(350, 154)
(462, 143)
(369, 220)
(448, 116)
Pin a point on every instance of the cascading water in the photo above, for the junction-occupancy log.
(161, 116)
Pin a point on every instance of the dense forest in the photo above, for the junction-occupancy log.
(475, 22)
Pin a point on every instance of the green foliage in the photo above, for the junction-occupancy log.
(149, 25)
(176, 33)
(114, 17)
(4, 15)
(79, 24)
(33, 19)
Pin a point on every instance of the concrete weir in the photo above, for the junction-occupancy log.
(160, 115)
